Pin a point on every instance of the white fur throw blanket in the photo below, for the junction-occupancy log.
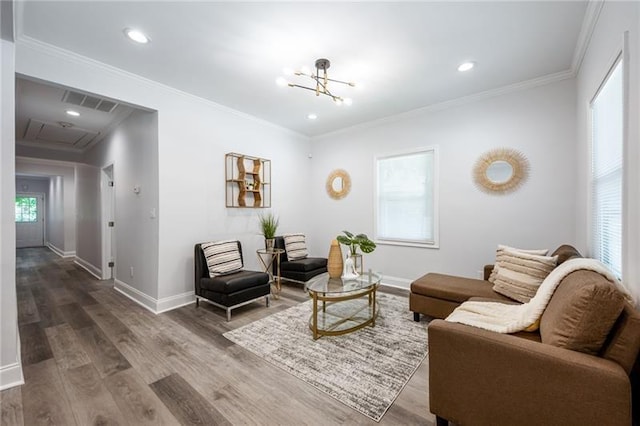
(504, 318)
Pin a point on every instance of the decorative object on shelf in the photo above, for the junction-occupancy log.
(500, 171)
(247, 181)
(321, 79)
(354, 241)
(338, 184)
(334, 260)
(269, 225)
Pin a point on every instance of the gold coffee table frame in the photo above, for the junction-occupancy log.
(335, 291)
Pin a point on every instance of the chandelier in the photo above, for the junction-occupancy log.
(321, 79)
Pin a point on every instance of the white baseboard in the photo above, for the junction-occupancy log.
(11, 375)
(59, 252)
(396, 282)
(90, 268)
(157, 306)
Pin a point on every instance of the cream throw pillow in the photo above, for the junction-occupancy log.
(520, 274)
(500, 254)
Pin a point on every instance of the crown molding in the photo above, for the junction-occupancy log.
(24, 41)
(476, 97)
(594, 7)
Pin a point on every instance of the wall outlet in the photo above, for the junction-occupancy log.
(131, 272)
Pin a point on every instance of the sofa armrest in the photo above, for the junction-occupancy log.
(487, 271)
(480, 377)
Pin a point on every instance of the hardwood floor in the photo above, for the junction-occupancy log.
(92, 356)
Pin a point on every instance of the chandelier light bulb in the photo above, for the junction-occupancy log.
(338, 101)
(305, 70)
(347, 101)
(281, 81)
(287, 71)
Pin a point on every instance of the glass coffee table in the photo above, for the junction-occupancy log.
(342, 306)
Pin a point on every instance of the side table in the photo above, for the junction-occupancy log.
(268, 258)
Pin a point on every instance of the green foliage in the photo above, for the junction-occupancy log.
(355, 241)
(269, 225)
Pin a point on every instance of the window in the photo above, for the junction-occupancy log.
(606, 171)
(406, 198)
(26, 209)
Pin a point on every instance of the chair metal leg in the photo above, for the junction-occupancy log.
(267, 298)
(197, 301)
(416, 316)
(228, 314)
(441, 422)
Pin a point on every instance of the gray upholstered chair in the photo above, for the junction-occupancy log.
(228, 291)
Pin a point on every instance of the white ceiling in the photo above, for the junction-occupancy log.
(405, 53)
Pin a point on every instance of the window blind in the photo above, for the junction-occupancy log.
(606, 171)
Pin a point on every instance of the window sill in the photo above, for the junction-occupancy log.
(407, 244)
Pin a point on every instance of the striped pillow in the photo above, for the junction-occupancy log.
(223, 257)
(500, 253)
(295, 246)
(520, 274)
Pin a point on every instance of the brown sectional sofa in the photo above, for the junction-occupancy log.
(479, 377)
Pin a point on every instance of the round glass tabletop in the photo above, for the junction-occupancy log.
(324, 284)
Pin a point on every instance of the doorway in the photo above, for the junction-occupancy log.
(108, 222)
(29, 220)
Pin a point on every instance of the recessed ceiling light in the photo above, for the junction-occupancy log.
(466, 66)
(137, 36)
(312, 116)
(73, 113)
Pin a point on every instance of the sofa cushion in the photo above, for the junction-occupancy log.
(295, 246)
(223, 257)
(566, 252)
(623, 343)
(452, 288)
(500, 252)
(520, 274)
(581, 312)
(304, 265)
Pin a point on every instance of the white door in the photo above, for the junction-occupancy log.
(29, 220)
(108, 218)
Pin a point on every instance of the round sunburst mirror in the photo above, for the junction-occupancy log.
(338, 184)
(501, 170)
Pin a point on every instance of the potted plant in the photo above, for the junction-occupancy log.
(269, 225)
(355, 241)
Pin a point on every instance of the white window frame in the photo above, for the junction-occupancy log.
(435, 242)
(619, 60)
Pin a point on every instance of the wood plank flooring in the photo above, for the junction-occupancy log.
(93, 357)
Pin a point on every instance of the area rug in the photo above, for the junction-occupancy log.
(365, 370)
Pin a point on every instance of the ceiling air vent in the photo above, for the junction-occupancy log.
(87, 101)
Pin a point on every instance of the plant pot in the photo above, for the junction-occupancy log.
(269, 243)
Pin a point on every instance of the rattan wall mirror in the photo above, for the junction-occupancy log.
(338, 184)
(500, 171)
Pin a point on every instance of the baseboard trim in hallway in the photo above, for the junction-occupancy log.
(11, 375)
(90, 268)
(157, 306)
(61, 253)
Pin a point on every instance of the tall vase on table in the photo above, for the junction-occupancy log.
(334, 260)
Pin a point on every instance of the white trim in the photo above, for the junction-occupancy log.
(396, 282)
(172, 302)
(594, 7)
(87, 266)
(59, 252)
(11, 375)
(24, 41)
(136, 295)
(33, 160)
(157, 306)
(433, 245)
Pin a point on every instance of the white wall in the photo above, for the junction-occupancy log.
(132, 148)
(193, 136)
(65, 246)
(88, 248)
(539, 122)
(614, 20)
(33, 185)
(10, 367)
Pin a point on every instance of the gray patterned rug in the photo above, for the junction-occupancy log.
(365, 370)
